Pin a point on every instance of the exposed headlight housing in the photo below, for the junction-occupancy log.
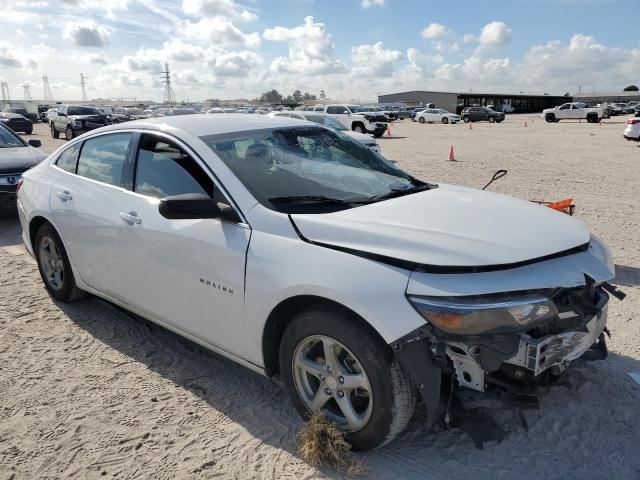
(484, 314)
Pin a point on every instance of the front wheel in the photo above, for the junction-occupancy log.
(358, 127)
(68, 133)
(550, 118)
(492, 119)
(421, 120)
(54, 266)
(331, 362)
(466, 119)
(445, 120)
(378, 134)
(54, 132)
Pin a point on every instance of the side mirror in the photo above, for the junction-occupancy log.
(35, 143)
(193, 206)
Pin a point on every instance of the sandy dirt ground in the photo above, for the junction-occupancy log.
(87, 391)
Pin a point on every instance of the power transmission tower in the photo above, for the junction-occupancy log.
(27, 92)
(169, 96)
(84, 87)
(46, 90)
(4, 86)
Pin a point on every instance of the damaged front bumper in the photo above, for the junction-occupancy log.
(518, 362)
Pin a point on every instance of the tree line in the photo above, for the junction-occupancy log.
(273, 96)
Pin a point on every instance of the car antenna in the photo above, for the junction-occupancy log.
(496, 176)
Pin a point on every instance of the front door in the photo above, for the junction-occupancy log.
(86, 201)
(186, 273)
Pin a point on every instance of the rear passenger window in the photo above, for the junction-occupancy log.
(164, 170)
(69, 158)
(332, 110)
(103, 157)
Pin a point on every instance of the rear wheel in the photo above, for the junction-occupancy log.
(54, 265)
(29, 131)
(421, 120)
(330, 362)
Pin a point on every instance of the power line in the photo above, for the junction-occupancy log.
(46, 90)
(169, 96)
(27, 92)
(84, 87)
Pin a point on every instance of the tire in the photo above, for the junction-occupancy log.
(492, 119)
(592, 118)
(498, 121)
(62, 287)
(421, 120)
(378, 134)
(54, 132)
(68, 134)
(386, 402)
(466, 119)
(445, 120)
(550, 118)
(358, 127)
(29, 131)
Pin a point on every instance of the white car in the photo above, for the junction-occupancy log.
(215, 110)
(297, 252)
(436, 115)
(632, 132)
(326, 120)
(574, 111)
(350, 116)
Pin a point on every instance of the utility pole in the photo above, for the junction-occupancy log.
(84, 87)
(27, 92)
(169, 96)
(46, 90)
(4, 87)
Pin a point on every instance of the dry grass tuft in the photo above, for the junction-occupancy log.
(320, 442)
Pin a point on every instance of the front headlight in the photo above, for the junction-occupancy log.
(76, 123)
(486, 314)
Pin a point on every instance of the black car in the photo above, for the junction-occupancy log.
(75, 120)
(33, 117)
(16, 157)
(406, 112)
(16, 122)
(480, 114)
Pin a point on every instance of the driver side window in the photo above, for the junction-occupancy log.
(163, 169)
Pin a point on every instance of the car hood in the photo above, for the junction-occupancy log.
(93, 118)
(361, 137)
(448, 226)
(19, 159)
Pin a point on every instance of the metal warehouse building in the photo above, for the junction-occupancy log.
(457, 101)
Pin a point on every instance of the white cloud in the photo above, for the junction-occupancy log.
(372, 3)
(12, 57)
(86, 33)
(219, 31)
(232, 64)
(311, 49)
(373, 61)
(495, 34)
(217, 9)
(436, 31)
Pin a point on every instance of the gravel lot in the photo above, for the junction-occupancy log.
(86, 391)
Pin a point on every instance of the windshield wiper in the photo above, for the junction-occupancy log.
(310, 199)
(400, 192)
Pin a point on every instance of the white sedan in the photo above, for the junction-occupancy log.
(436, 115)
(632, 132)
(295, 251)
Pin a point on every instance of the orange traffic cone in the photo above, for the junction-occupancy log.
(389, 131)
(451, 156)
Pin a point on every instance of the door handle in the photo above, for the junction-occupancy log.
(131, 218)
(65, 195)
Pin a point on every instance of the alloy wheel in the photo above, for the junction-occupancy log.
(330, 378)
(51, 263)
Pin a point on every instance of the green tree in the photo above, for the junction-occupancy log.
(322, 94)
(272, 96)
(631, 88)
(297, 96)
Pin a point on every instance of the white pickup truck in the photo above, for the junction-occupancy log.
(573, 111)
(359, 121)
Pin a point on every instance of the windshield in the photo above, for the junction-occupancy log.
(8, 139)
(326, 121)
(82, 111)
(309, 169)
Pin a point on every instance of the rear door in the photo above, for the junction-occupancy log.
(186, 273)
(85, 203)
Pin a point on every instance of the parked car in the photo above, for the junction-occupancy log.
(480, 114)
(573, 111)
(16, 122)
(416, 112)
(362, 122)
(73, 120)
(355, 282)
(327, 121)
(614, 110)
(16, 157)
(632, 132)
(406, 112)
(625, 108)
(42, 112)
(215, 110)
(32, 116)
(437, 115)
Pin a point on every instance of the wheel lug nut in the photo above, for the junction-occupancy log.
(341, 379)
(321, 377)
(329, 370)
(327, 391)
(340, 393)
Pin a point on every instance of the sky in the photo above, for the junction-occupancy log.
(351, 49)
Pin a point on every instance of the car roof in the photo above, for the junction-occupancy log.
(203, 124)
